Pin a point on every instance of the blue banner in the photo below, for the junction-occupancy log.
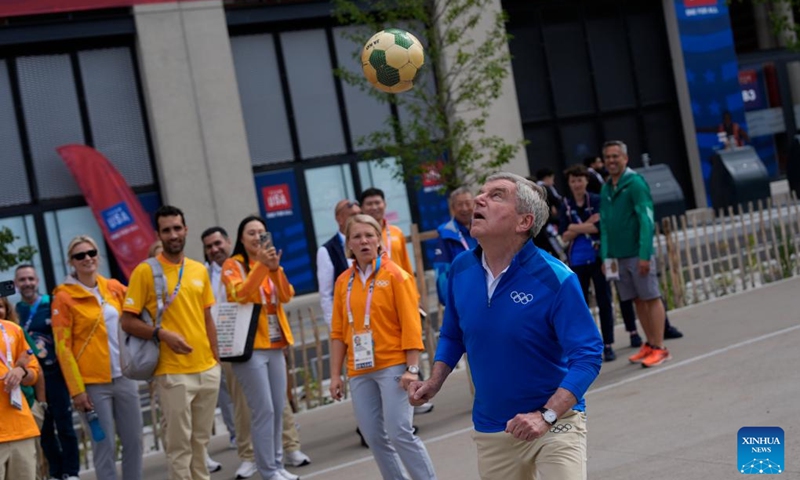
(712, 72)
(433, 208)
(279, 203)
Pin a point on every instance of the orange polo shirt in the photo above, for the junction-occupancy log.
(246, 288)
(394, 314)
(397, 250)
(16, 424)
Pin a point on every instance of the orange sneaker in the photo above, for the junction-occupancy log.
(642, 354)
(657, 357)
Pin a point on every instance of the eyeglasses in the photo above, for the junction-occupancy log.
(348, 205)
(81, 255)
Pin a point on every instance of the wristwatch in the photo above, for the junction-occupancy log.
(413, 369)
(548, 415)
(155, 333)
(25, 371)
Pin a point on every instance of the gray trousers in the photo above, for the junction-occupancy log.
(118, 409)
(384, 417)
(225, 404)
(263, 380)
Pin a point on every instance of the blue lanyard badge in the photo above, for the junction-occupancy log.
(32, 312)
(171, 298)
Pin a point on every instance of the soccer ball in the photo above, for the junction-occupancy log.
(391, 60)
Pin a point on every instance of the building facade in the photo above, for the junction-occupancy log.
(228, 108)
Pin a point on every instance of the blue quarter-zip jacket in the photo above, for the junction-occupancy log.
(534, 335)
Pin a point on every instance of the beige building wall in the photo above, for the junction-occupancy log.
(195, 114)
(504, 117)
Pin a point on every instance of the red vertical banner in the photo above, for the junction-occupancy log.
(125, 224)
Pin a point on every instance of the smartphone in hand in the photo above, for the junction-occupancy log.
(266, 239)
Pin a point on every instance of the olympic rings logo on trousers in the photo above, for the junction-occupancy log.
(521, 297)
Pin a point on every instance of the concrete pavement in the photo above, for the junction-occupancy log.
(738, 365)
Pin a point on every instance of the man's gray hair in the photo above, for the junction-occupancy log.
(458, 191)
(616, 143)
(531, 198)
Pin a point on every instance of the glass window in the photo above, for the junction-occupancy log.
(365, 113)
(52, 118)
(624, 129)
(611, 63)
(64, 225)
(579, 141)
(542, 149)
(397, 209)
(15, 181)
(326, 186)
(569, 63)
(530, 72)
(115, 114)
(314, 99)
(649, 47)
(25, 231)
(261, 94)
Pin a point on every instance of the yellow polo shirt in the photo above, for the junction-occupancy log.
(186, 315)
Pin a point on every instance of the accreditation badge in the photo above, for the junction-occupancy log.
(275, 333)
(363, 351)
(612, 269)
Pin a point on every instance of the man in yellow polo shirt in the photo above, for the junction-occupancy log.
(188, 373)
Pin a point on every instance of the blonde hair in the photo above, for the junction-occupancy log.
(151, 252)
(77, 241)
(367, 220)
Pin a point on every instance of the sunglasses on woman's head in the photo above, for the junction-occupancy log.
(81, 255)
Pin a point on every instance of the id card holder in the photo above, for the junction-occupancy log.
(16, 398)
(363, 351)
(275, 333)
(612, 269)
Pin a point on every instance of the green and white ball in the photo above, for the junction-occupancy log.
(391, 60)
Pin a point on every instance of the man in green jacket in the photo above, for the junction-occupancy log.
(626, 213)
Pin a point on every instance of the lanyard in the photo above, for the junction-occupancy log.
(462, 239)
(171, 298)
(369, 295)
(388, 240)
(273, 295)
(32, 312)
(7, 358)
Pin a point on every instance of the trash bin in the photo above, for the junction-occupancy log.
(667, 194)
(738, 176)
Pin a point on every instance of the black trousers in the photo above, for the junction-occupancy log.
(593, 273)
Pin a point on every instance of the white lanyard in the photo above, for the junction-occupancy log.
(8, 359)
(164, 304)
(462, 239)
(369, 295)
(273, 295)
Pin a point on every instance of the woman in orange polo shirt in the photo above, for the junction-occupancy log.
(376, 324)
(86, 312)
(253, 275)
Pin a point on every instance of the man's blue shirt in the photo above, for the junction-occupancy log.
(534, 335)
(452, 239)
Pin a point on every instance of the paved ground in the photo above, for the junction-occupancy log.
(739, 365)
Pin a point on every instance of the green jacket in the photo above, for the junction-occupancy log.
(626, 213)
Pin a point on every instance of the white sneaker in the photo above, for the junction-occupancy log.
(212, 465)
(423, 409)
(246, 470)
(288, 475)
(296, 458)
(233, 445)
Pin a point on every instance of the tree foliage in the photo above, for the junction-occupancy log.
(467, 64)
(782, 19)
(9, 258)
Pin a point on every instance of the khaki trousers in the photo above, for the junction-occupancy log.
(188, 404)
(18, 459)
(241, 415)
(290, 437)
(559, 455)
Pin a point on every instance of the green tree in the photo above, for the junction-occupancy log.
(782, 19)
(466, 64)
(9, 258)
